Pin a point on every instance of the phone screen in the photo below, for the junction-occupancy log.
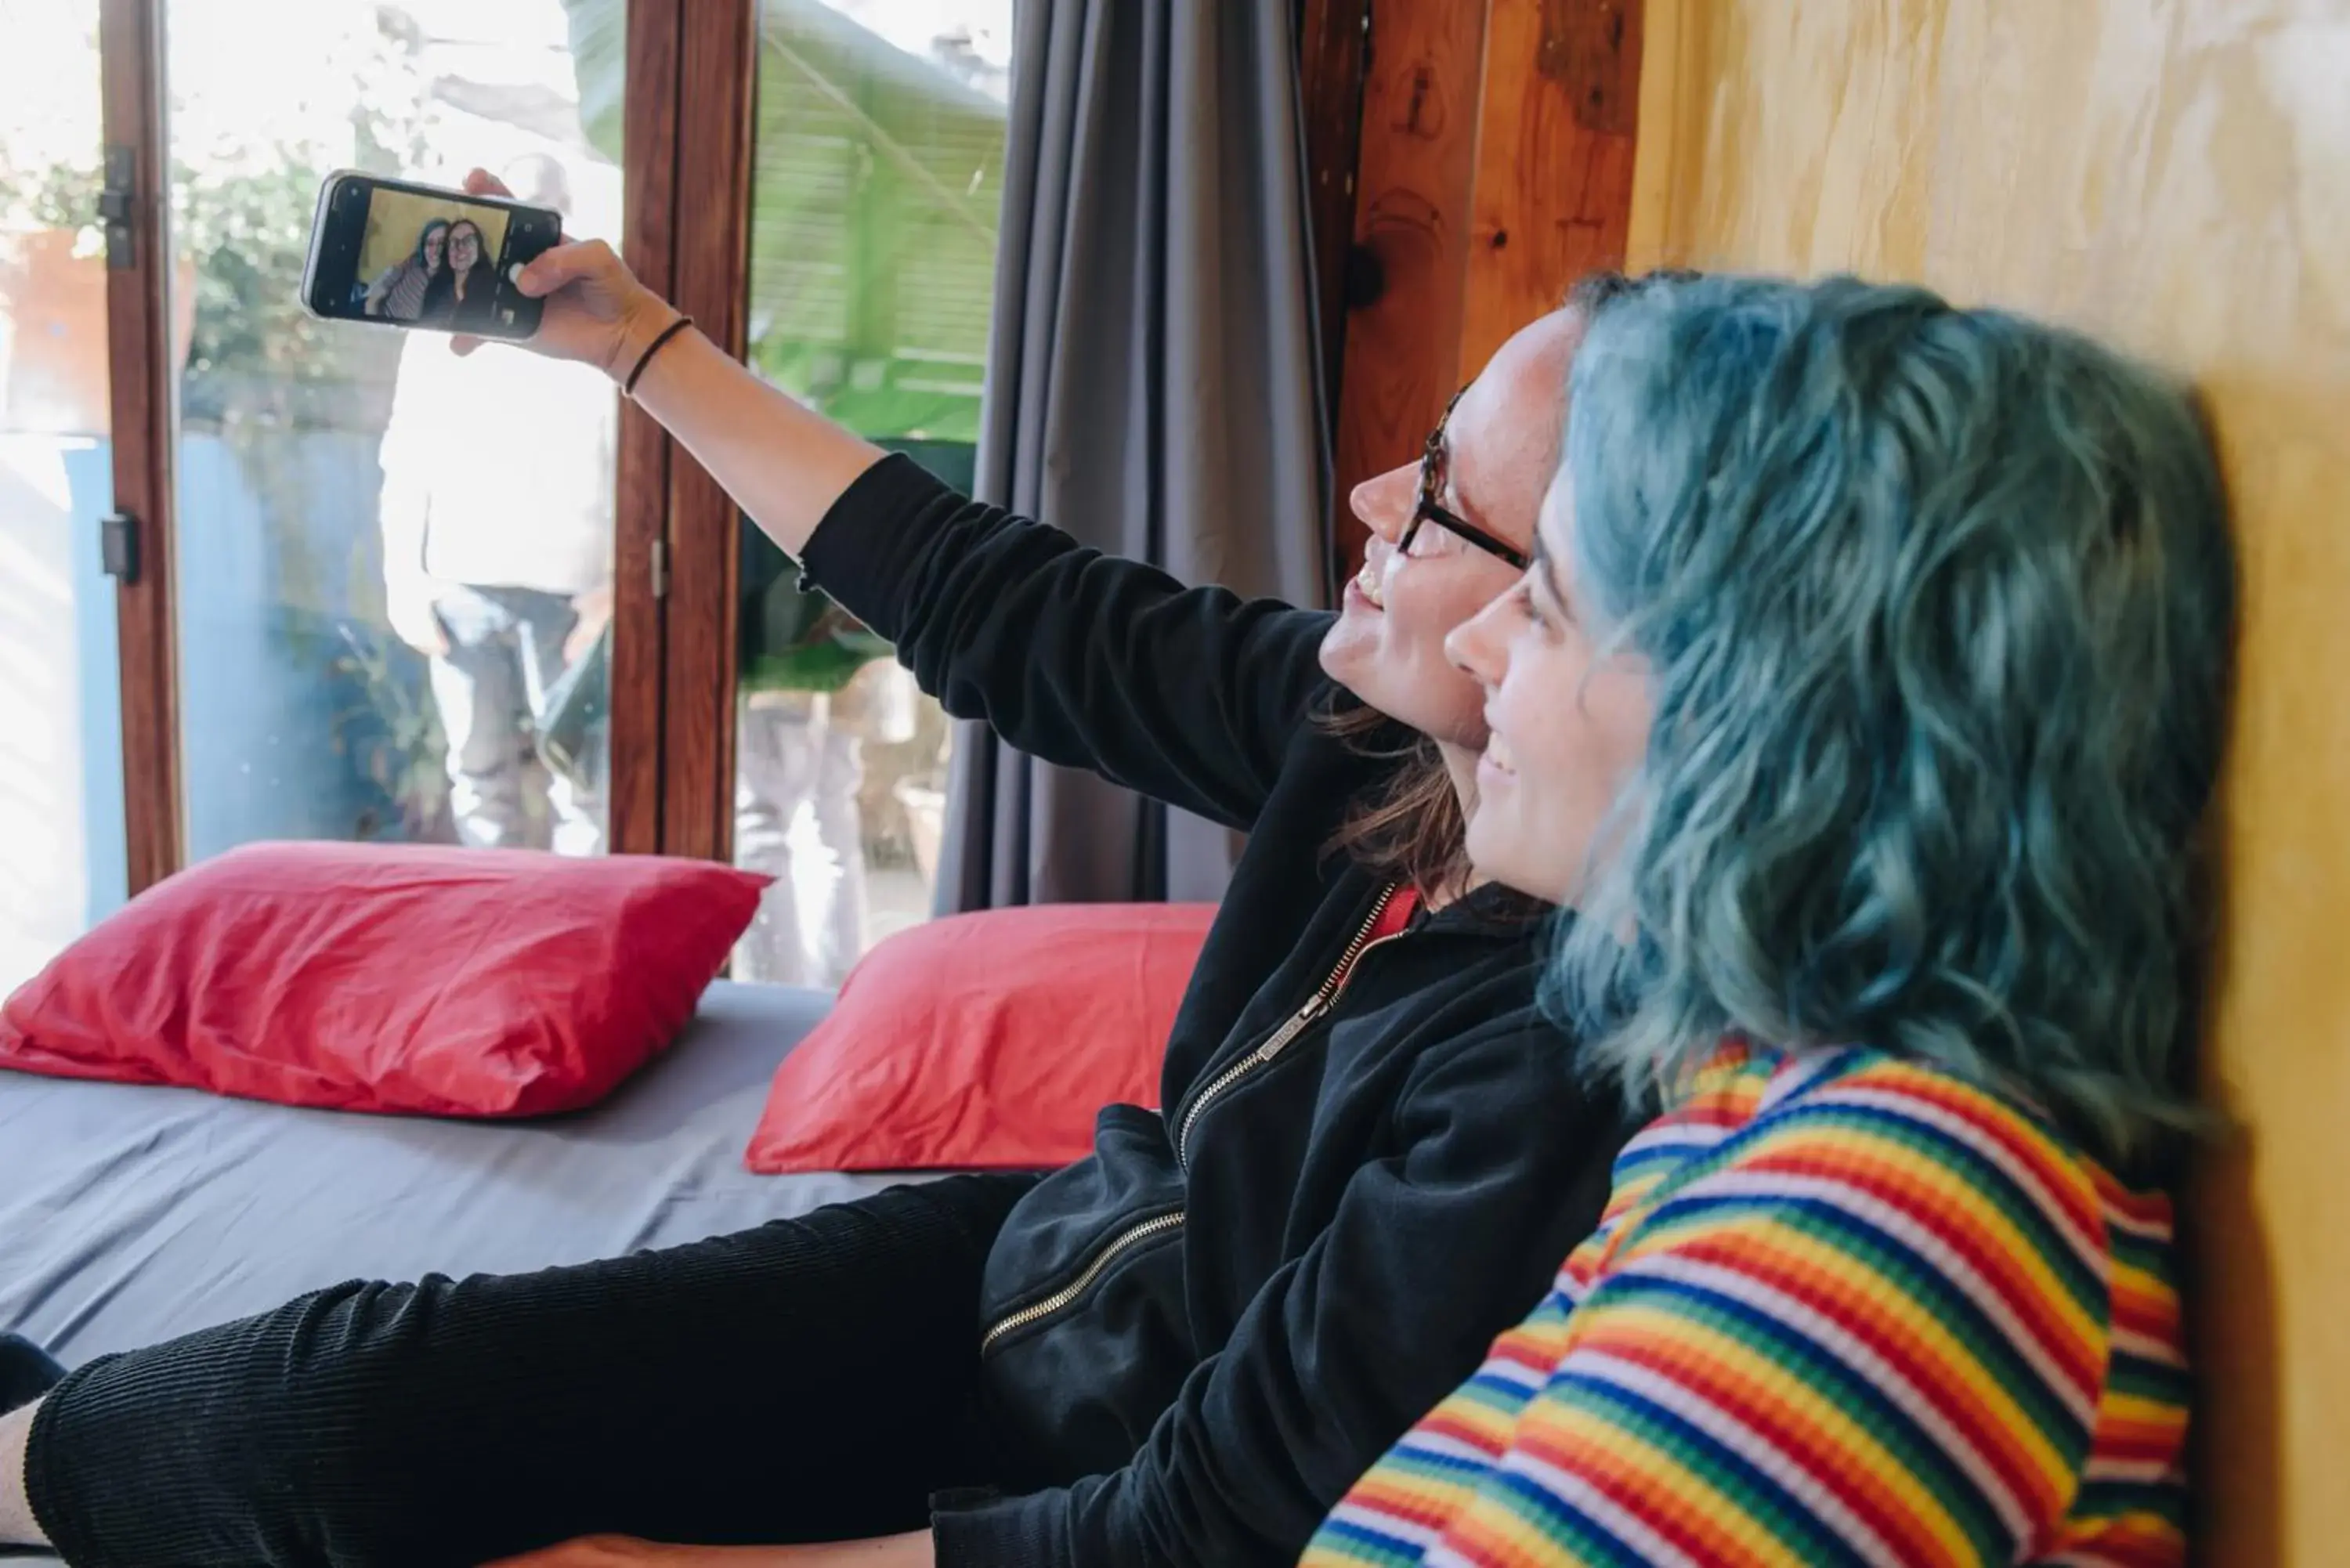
(413, 255)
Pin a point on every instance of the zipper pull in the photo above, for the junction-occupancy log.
(1299, 1022)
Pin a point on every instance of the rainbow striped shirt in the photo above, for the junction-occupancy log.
(1842, 1309)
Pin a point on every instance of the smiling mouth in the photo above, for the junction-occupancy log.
(1366, 582)
(1498, 756)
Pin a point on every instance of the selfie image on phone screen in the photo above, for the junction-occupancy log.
(413, 255)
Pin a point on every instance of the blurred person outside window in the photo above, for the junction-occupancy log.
(816, 687)
(497, 560)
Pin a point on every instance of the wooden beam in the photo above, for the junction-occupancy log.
(1415, 173)
(141, 372)
(1333, 55)
(1554, 185)
(718, 67)
(1495, 168)
(640, 517)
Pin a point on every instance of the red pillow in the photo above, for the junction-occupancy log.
(460, 983)
(986, 1041)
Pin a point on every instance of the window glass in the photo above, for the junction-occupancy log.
(878, 178)
(394, 567)
(62, 858)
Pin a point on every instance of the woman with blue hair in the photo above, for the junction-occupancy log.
(1863, 699)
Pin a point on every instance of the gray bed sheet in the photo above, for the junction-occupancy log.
(128, 1214)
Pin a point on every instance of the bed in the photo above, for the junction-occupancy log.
(128, 1214)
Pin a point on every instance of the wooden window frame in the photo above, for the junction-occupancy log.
(640, 542)
(718, 58)
(142, 392)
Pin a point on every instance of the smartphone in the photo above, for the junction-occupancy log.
(400, 255)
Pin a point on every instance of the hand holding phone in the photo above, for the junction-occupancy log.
(481, 265)
(594, 309)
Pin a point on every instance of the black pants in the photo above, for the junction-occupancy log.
(814, 1379)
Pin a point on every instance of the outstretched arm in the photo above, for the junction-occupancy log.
(783, 463)
(1188, 695)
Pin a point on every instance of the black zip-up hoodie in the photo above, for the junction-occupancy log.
(1195, 1340)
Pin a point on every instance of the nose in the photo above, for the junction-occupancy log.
(1478, 646)
(1384, 501)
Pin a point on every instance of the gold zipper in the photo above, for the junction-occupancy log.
(1159, 1225)
(1297, 1023)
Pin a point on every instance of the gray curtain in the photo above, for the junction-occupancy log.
(1150, 384)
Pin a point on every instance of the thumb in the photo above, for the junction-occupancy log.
(561, 264)
(463, 345)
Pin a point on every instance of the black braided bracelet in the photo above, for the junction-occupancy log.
(628, 388)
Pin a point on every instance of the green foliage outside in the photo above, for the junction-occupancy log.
(241, 217)
(875, 199)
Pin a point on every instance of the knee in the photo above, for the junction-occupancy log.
(340, 1423)
(290, 1437)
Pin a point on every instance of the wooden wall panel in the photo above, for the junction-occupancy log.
(1495, 168)
(1333, 53)
(1421, 103)
(2175, 177)
(1553, 184)
(717, 68)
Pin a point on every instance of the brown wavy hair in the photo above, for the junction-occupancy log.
(1409, 829)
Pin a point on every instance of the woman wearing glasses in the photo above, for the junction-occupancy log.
(1183, 1348)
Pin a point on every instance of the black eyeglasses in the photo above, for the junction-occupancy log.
(1430, 510)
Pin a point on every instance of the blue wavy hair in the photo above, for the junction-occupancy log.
(1938, 607)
